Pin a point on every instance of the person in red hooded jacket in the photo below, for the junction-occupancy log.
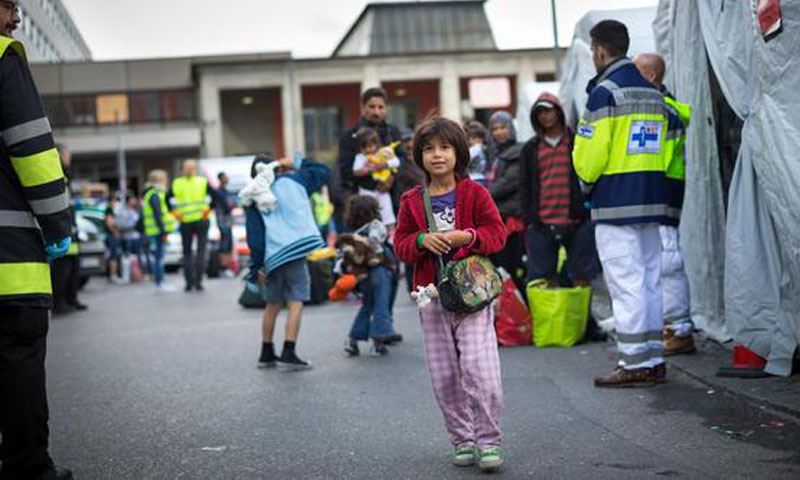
(553, 206)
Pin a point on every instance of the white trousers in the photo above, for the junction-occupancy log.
(631, 258)
(674, 284)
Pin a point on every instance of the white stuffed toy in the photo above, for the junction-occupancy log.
(259, 190)
(424, 295)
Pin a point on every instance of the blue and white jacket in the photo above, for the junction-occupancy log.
(289, 232)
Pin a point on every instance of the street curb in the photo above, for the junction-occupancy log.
(795, 413)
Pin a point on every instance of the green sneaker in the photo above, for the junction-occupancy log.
(464, 455)
(491, 459)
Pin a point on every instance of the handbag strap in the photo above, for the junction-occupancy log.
(426, 201)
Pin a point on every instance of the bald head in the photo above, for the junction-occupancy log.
(652, 67)
(190, 168)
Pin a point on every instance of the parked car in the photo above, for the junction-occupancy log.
(92, 251)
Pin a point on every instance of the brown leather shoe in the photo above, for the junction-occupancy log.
(659, 373)
(677, 345)
(621, 378)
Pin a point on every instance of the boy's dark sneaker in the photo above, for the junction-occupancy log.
(395, 338)
(267, 359)
(378, 348)
(351, 347)
(291, 362)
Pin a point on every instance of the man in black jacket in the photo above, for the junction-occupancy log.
(373, 115)
(552, 201)
(35, 228)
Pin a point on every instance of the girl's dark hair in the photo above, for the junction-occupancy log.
(475, 129)
(447, 131)
(367, 136)
(360, 210)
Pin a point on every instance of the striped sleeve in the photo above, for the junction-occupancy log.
(28, 140)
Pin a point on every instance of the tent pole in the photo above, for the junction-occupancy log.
(556, 55)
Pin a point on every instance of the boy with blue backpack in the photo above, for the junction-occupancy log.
(281, 232)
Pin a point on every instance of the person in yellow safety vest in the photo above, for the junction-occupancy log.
(66, 271)
(677, 337)
(619, 156)
(158, 223)
(192, 201)
(35, 228)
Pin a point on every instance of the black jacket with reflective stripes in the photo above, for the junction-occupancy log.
(34, 205)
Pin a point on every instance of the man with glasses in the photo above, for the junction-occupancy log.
(35, 227)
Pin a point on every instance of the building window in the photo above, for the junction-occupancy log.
(322, 127)
(112, 108)
(178, 106)
(546, 77)
(145, 107)
(79, 111)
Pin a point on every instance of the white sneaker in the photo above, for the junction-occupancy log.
(228, 274)
(166, 288)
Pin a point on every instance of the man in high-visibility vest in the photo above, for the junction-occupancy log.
(158, 223)
(619, 154)
(66, 271)
(34, 229)
(674, 282)
(192, 200)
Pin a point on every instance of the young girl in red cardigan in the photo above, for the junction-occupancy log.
(460, 350)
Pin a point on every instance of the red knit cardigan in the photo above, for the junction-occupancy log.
(475, 210)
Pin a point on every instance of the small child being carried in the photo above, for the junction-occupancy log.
(380, 163)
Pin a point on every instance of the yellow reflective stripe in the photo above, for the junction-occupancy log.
(74, 249)
(592, 149)
(6, 42)
(38, 169)
(24, 279)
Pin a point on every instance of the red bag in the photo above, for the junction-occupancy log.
(512, 317)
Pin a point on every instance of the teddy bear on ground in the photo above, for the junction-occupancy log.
(259, 190)
(358, 255)
(425, 295)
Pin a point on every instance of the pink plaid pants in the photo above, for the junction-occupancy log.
(461, 353)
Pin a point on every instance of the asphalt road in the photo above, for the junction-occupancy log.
(163, 386)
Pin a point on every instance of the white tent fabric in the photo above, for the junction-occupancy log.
(762, 241)
(680, 41)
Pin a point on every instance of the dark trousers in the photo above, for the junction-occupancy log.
(23, 399)
(544, 243)
(193, 264)
(66, 278)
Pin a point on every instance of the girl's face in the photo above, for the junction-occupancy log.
(474, 141)
(370, 149)
(500, 133)
(439, 158)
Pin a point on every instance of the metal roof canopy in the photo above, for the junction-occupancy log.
(417, 27)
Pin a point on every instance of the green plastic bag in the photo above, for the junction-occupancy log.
(559, 315)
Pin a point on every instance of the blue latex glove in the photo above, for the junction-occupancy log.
(58, 249)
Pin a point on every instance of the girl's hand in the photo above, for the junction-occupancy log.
(459, 238)
(437, 243)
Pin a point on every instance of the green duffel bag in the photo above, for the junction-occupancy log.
(250, 299)
(559, 315)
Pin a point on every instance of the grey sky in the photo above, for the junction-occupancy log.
(308, 28)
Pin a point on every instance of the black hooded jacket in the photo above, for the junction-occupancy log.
(529, 178)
